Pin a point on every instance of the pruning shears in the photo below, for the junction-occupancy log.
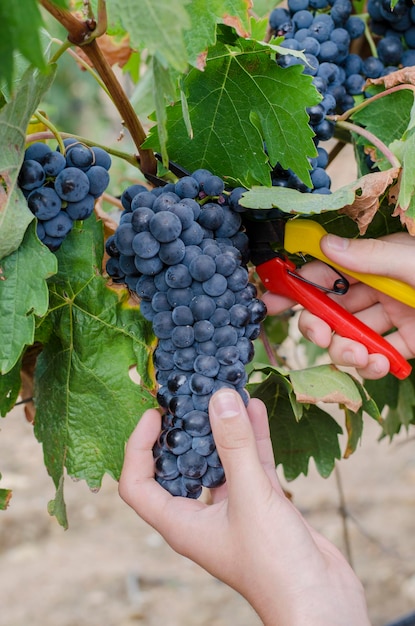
(279, 275)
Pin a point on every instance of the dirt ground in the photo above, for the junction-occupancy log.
(111, 569)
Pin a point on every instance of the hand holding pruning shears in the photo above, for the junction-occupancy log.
(375, 301)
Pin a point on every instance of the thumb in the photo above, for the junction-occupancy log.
(374, 256)
(235, 443)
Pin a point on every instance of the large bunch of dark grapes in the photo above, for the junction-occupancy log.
(324, 30)
(181, 249)
(61, 189)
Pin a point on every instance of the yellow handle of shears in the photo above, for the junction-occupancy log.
(304, 236)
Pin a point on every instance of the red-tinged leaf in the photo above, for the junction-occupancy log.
(5, 496)
(325, 383)
(205, 15)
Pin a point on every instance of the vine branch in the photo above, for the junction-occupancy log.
(358, 107)
(83, 33)
(354, 128)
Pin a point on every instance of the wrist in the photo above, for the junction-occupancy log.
(323, 605)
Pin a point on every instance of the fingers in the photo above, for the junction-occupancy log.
(137, 477)
(343, 351)
(387, 257)
(139, 489)
(236, 443)
(260, 425)
(276, 304)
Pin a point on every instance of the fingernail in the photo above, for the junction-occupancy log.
(226, 403)
(310, 336)
(337, 243)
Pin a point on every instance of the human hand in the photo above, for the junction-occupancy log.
(392, 256)
(251, 536)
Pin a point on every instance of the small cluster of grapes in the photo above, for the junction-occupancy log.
(60, 189)
(396, 27)
(181, 249)
(324, 30)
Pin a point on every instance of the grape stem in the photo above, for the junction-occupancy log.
(66, 47)
(368, 101)
(54, 131)
(363, 132)
(63, 47)
(84, 33)
(369, 39)
(41, 136)
(272, 357)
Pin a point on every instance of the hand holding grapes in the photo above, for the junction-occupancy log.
(251, 536)
(392, 256)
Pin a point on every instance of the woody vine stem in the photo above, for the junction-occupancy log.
(84, 33)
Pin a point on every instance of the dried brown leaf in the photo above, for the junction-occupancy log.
(27, 372)
(399, 211)
(368, 190)
(406, 75)
(336, 397)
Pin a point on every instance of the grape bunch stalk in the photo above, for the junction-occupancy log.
(62, 188)
(181, 248)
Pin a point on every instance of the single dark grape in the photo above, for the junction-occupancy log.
(71, 184)
(82, 209)
(187, 187)
(58, 226)
(44, 203)
(37, 151)
(98, 180)
(80, 156)
(145, 245)
(129, 193)
(31, 175)
(53, 162)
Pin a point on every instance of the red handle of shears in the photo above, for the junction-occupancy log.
(276, 277)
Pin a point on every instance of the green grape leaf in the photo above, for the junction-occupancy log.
(261, 8)
(14, 119)
(10, 384)
(163, 89)
(325, 383)
(280, 376)
(354, 420)
(204, 15)
(20, 26)
(354, 428)
(404, 412)
(360, 200)
(405, 203)
(86, 403)
(384, 391)
(155, 25)
(396, 399)
(293, 201)
(396, 106)
(5, 495)
(295, 441)
(241, 99)
(23, 296)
